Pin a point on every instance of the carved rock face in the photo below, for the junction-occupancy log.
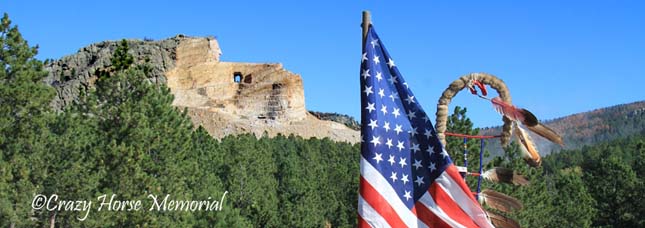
(224, 97)
(248, 90)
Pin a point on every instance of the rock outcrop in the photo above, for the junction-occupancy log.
(339, 118)
(248, 90)
(223, 97)
(74, 73)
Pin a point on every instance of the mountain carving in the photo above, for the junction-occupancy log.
(224, 97)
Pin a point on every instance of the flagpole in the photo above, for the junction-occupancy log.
(367, 20)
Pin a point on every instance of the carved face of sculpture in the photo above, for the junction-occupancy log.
(217, 52)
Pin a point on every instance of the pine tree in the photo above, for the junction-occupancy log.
(571, 201)
(71, 167)
(24, 114)
(551, 200)
(144, 141)
(300, 178)
(205, 182)
(554, 197)
(250, 178)
(459, 123)
(340, 188)
(614, 186)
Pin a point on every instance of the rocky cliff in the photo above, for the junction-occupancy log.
(74, 73)
(223, 97)
(340, 118)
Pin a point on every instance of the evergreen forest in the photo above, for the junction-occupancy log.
(124, 138)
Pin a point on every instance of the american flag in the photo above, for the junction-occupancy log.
(407, 177)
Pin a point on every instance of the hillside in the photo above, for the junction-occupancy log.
(587, 128)
(226, 98)
(347, 120)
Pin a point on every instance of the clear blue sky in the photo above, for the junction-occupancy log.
(557, 57)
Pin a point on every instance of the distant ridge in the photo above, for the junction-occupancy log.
(586, 128)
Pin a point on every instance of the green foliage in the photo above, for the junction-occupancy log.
(249, 176)
(124, 137)
(72, 170)
(459, 123)
(24, 115)
(595, 186)
(149, 138)
(555, 198)
(613, 175)
(552, 199)
(121, 59)
(204, 180)
(132, 142)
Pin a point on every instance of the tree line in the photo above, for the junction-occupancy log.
(124, 137)
(595, 186)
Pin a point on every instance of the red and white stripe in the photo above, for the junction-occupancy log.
(448, 203)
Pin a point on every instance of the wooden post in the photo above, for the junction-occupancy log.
(367, 20)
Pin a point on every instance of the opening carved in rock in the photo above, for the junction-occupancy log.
(237, 77)
(248, 79)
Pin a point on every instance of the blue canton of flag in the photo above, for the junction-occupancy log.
(402, 142)
(407, 177)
